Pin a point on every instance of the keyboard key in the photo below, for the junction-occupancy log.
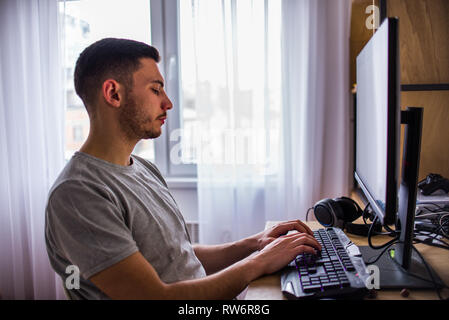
(312, 288)
(350, 268)
(323, 260)
(331, 285)
(312, 270)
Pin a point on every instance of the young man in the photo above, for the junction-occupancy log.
(111, 214)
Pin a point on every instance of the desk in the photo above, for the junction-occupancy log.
(269, 287)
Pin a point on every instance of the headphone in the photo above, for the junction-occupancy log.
(341, 212)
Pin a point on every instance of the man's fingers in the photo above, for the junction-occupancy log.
(305, 239)
(305, 249)
(293, 225)
(302, 224)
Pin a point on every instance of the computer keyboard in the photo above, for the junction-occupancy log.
(338, 271)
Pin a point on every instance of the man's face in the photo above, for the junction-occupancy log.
(146, 103)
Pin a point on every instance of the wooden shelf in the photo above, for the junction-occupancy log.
(435, 132)
(424, 41)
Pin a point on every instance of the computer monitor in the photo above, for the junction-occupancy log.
(378, 121)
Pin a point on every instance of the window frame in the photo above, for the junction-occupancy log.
(165, 37)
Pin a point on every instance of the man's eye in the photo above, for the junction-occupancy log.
(155, 91)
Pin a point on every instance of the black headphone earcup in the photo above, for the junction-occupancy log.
(349, 208)
(338, 209)
(325, 213)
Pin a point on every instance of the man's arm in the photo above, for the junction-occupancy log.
(135, 278)
(217, 257)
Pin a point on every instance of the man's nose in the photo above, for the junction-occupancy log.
(167, 104)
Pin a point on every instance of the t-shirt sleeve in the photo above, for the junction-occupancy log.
(88, 227)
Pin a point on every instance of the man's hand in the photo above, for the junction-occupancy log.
(282, 250)
(266, 237)
(218, 257)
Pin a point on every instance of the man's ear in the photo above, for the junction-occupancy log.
(111, 91)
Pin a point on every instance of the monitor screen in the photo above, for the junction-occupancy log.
(378, 121)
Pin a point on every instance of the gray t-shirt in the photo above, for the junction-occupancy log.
(99, 213)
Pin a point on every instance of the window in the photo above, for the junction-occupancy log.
(78, 135)
(169, 25)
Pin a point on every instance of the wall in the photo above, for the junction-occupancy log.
(187, 200)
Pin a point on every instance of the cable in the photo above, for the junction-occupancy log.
(391, 231)
(439, 230)
(307, 214)
(433, 210)
(436, 232)
(382, 252)
(442, 224)
(364, 212)
(444, 245)
(434, 204)
(431, 214)
(370, 233)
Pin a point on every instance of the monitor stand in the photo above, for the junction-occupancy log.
(400, 266)
(394, 276)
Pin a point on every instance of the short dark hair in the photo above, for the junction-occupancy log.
(109, 58)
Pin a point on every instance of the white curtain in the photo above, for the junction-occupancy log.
(272, 100)
(31, 141)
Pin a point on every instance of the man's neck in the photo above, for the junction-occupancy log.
(114, 149)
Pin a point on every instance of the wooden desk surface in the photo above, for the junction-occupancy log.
(269, 287)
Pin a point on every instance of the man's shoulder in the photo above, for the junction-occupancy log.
(150, 166)
(77, 174)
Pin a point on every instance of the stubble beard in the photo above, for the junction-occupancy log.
(133, 121)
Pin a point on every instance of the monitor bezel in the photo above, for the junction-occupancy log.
(388, 215)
